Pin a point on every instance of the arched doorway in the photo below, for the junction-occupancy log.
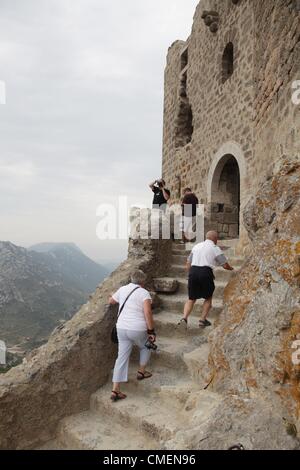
(225, 198)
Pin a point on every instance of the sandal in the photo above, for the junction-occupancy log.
(237, 447)
(116, 396)
(143, 375)
(204, 323)
(182, 325)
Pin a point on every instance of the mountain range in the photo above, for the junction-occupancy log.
(41, 287)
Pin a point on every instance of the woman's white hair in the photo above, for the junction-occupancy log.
(138, 277)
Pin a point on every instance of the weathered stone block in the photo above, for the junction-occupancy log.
(165, 285)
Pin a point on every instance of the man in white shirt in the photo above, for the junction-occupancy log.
(203, 259)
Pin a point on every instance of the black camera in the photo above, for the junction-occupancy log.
(160, 183)
(150, 345)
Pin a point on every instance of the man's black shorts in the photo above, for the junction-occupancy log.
(201, 283)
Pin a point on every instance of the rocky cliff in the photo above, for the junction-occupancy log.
(251, 350)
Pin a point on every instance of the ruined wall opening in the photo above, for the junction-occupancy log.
(184, 122)
(227, 62)
(225, 198)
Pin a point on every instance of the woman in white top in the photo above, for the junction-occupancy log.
(135, 326)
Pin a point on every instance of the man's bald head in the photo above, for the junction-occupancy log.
(213, 236)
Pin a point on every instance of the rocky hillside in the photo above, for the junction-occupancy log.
(73, 265)
(40, 288)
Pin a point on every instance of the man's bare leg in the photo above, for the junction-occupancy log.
(188, 308)
(206, 309)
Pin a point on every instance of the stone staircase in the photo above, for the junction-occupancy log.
(164, 411)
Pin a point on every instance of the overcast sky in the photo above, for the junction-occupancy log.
(83, 119)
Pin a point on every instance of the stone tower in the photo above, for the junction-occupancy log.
(228, 111)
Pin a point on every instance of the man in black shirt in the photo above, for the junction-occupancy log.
(161, 194)
(189, 203)
(189, 211)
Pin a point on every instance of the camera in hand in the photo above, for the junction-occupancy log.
(160, 183)
(151, 345)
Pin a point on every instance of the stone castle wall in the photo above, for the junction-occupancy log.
(249, 115)
(277, 66)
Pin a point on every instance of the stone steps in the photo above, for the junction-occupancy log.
(162, 375)
(175, 252)
(148, 413)
(182, 258)
(179, 271)
(183, 286)
(230, 243)
(160, 415)
(169, 359)
(97, 431)
(175, 303)
(166, 325)
(228, 246)
(163, 411)
(171, 349)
